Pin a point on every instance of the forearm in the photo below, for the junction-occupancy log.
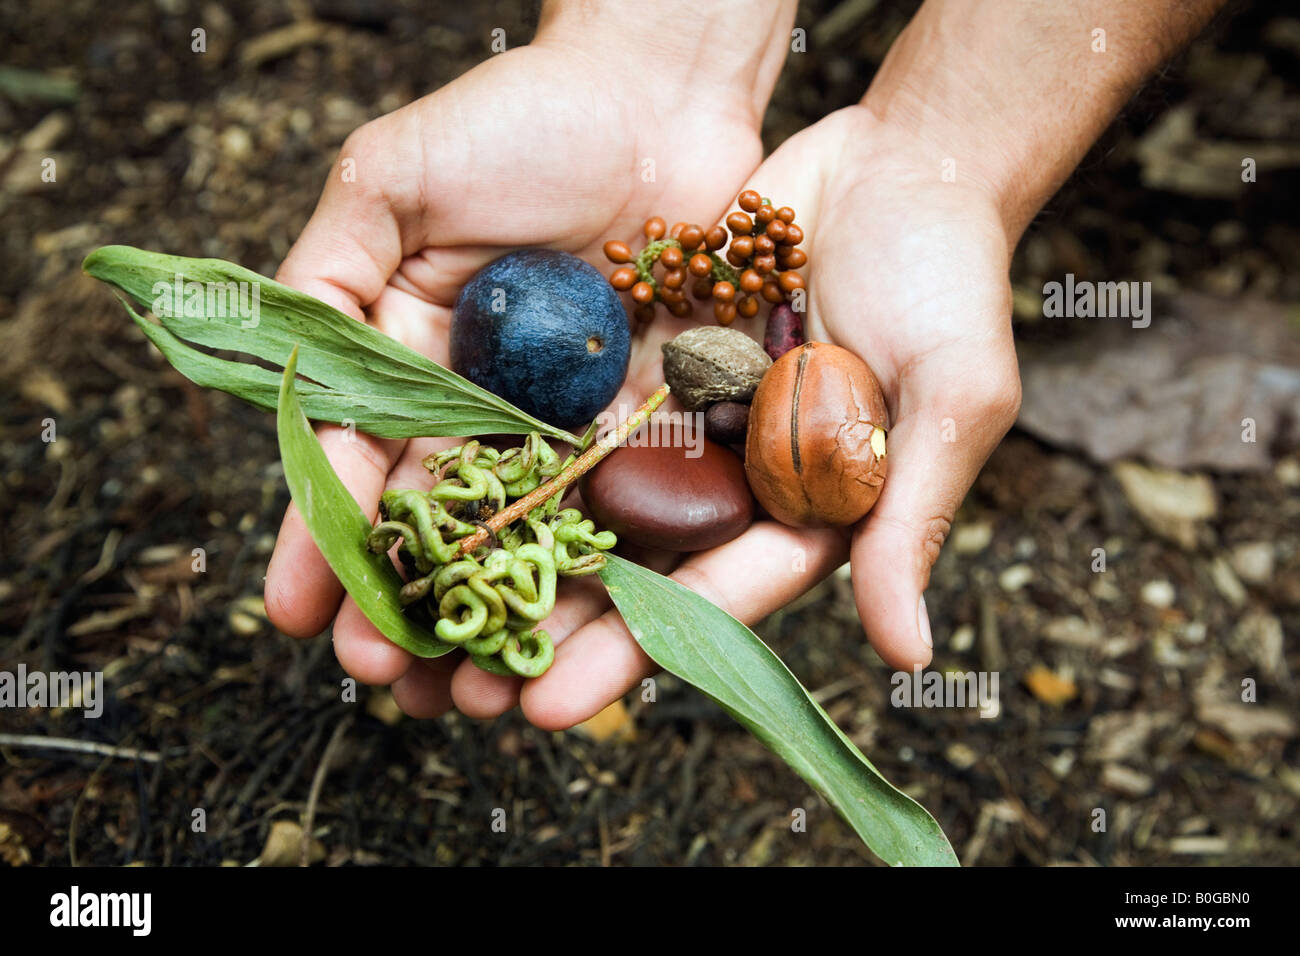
(1016, 91)
(721, 54)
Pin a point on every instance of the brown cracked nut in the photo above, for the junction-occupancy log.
(710, 363)
(815, 449)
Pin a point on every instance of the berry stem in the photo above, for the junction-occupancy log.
(557, 485)
(723, 270)
(645, 260)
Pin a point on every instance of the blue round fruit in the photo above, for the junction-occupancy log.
(546, 332)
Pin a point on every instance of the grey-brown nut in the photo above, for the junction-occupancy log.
(712, 363)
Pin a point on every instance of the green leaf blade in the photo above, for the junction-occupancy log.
(339, 527)
(703, 645)
(399, 392)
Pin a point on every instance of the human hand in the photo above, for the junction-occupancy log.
(520, 151)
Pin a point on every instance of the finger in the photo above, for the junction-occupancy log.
(301, 591)
(602, 661)
(363, 651)
(424, 691)
(353, 242)
(938, 447)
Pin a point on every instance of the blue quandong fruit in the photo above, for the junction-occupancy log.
(545, 331)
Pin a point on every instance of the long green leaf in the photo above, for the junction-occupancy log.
(705, 646)
(339, 527)
(363, 376)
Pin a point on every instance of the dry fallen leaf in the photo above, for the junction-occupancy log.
(284, 846)
(612, 723)
(1050, 687)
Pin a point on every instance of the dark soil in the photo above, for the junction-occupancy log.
(1103, 690)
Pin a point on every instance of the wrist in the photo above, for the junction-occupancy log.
(1011, 96)
(716, 56)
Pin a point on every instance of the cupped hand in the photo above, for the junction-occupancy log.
(911, 273)
(908, 268)
(517, 152)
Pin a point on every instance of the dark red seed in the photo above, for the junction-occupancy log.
(784, 331)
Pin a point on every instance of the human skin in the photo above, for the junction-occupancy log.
(913, 201)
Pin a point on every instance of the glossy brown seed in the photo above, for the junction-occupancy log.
(751, 281)
(785, 214)
(654, 228)
(642, 293)
(749, 200)
(616, 250)
(765, 264)
(736, 259)
(772, 292)
(700, 264)
(764, 215)
(776, 229)
(815, 449)
(623, 278)
(675, 278)
(680, 309)
(743, 246)
(671, 257)
(740, 224)
(724, 312)
(680, 493)
(793, 235)
(644, 313)
(764, 245)
(793, 258)
(726, 422)
(724, 291)
(702, 288)
(676, 230)
(790, 281)
(715, 238)
(691, 237)
(747, 306)
(669, 296)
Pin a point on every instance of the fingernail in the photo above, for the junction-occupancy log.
(923, 623)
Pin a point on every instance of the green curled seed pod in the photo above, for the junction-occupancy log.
(577, 567)
(501, 564)
(528, 654)
(489, 645)
(544, 603)
(492, 664)
(448, 576)
(455, 630)
(386, 534)
(517, 463)
(416, 590)
(496, 608)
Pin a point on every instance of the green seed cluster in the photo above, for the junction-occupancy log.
(488, 601)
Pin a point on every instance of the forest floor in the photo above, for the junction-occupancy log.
(1120, 690)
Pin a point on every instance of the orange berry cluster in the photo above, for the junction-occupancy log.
(759, 264)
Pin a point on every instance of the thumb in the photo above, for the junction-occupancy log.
(353, 242)
(943, 435)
